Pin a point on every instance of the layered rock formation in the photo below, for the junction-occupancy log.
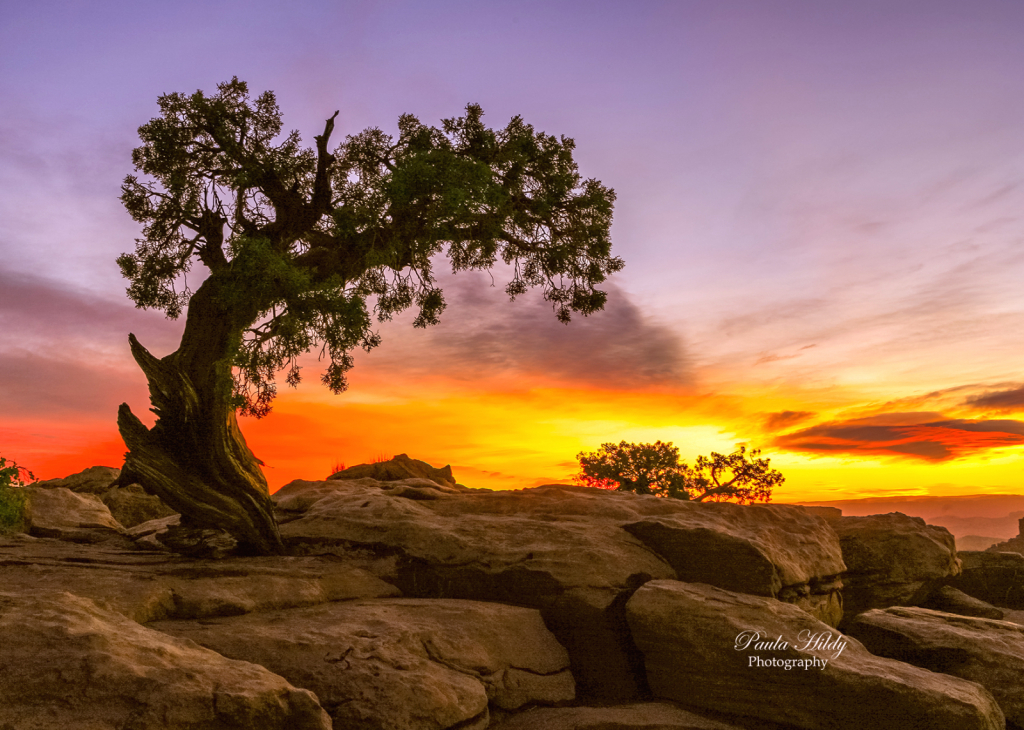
(779, 551)
(412, 602)
(59, 512)
(396, 469)
(129, 504)
(993, 577)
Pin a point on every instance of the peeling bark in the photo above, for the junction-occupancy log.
(195, 457)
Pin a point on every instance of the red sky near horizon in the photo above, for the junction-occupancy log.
(818, 206)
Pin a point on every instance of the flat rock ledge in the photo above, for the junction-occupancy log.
(145, 586)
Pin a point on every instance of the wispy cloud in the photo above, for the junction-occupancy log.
(65, 350)
(37, 311)
(34, 385)
(482, 334)
(1011, 399)
(786, 419)
(908, 434)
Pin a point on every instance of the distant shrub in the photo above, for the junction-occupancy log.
(12, 499)
(656, 469)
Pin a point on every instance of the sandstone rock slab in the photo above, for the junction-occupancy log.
(781, 551)
(58, 512)
(69, 663)
(396, 469)
(893, 560)
(94, 480)
(700, 650)
(401, 664)
(985, 651)
(131, 505)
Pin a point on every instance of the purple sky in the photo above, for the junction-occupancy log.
(810, 194)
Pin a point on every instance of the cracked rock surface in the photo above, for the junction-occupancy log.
(66, 662)
(400, 663)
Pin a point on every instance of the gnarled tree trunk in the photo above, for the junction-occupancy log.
(195, 457)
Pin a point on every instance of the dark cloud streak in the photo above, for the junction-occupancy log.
(998, 400)
(65, 350)
(36, 307)
(895, 434)
(784, 419)
(619, 347)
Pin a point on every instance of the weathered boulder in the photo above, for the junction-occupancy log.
(400, 664)
(58, 512)
(94, 480)
(68, 663)
(728, 652)
(151, 586)
(950, 600)
(993, 577)
(781, 551)
(131, 505)
(985, 651)
(641, 716)
(558, 549)
(396, 469)
(893, 560)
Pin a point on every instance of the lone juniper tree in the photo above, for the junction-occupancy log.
(302, 247)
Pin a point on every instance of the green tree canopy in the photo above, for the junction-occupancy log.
(309, 242)
(656, 469)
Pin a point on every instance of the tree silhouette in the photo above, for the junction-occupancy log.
(656, 469)
(303, 248)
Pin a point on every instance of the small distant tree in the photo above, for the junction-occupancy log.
(641, 468)
(656, 469)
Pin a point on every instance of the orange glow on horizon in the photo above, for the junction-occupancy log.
(505, 438)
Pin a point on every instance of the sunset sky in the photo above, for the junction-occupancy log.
(820, 207)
